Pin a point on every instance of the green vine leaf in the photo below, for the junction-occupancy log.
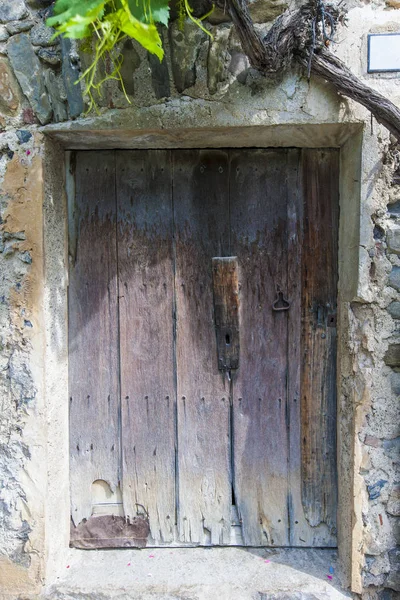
(73, 18)
(144, 33)
(156, 11)
(76, 27)
(110, 22)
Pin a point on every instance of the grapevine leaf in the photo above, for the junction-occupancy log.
(160, 11)
(77, 28)
(65, 10)
(146, 34)
(138, 9)
(153, 11)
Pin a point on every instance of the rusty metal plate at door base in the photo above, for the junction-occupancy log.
(109, 531)
(226, 311)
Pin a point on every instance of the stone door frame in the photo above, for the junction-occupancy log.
(58, 187)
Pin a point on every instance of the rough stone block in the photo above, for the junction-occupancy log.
(379, 534)
(394, 278)
(131, 62)
(9, 93)
(217, 58)
(23, 136)
(239, 63)
(70, 73)
(394, 310)
(159, 77)
(393, 505)
(19, 26)
(41, 35)
(374, 490)
(218, 16)
(387, 594)
(372, 441)
(379, 233)
(394, 207)
(25, 257)
(373, 580)
(262, 11)
(57, 102)
(392, 448)
(185, 48)
(12, 10)
(28, 116)
(395, 381)
(392, 356)
(27, 69)
(4, 35)
(393, 580)
(50, 56)
(393, 240)
(378, 565)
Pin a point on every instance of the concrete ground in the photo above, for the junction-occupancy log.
(199, 574)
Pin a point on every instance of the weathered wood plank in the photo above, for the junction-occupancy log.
(276, 420)
(202, 231)
(93, 332)
(301, 532)
(146, 290)
(318, 375)
(259, 240)
(226, 311)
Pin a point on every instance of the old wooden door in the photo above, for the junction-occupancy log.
(204, 456)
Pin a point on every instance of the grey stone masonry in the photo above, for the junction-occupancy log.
(41, 35)
(185, 48)
(27, 69)
(393, 239)
(394, 278)
(12, 10)
(70, 73)
(394, 310)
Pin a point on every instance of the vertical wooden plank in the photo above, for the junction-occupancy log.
(146, 290)
(318, 375)
(299, 533)
(93, 332)
(259, 239)
(201, 213)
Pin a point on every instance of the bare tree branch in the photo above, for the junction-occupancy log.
(252, 44)
(301, 36)
(327, 65)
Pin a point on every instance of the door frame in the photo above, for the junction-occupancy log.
(58, 174)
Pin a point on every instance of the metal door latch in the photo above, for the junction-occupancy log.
(280, 303)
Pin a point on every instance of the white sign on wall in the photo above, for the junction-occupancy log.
(383, 52)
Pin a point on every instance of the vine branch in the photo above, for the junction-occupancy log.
(301, 36)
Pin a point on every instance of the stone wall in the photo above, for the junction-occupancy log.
(201, 83)
(376, 329)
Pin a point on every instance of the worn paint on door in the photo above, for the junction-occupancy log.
(172, 255)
